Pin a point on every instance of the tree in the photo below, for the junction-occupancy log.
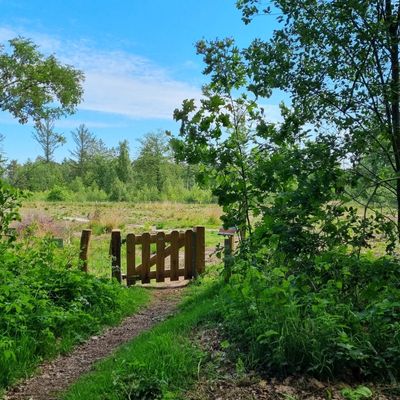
(48, 140)
(152, 157)
(293, 180)
(340, 62)
(35, 86)
(124, 166)
(85, 147)
(219, 134)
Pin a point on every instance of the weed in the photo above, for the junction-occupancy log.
(359, 393)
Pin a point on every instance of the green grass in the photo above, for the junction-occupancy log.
(160, 363)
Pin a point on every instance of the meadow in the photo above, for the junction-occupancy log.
(67, 219)
(48, 305)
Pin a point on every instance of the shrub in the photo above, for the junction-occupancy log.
(57, 194)
(45, 307)
(340, 318)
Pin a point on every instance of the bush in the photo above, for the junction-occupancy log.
(339, 319)
(45, 307)
(57, 194)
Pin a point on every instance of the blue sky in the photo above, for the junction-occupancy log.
(138, 57)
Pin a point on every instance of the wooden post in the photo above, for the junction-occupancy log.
(145, 271)
(174, 256)
(228, 250)
(160, 263)
(194, 254)
(200, 249)
(83, 249)
(130, 259)
(188, 254)
(116, 254)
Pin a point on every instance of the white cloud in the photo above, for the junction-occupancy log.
(116, 82)
(134, 96)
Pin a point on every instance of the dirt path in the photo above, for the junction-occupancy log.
(55, 376)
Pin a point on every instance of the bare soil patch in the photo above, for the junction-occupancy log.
(55, 376)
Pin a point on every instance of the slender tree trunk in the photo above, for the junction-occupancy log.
(393, 24)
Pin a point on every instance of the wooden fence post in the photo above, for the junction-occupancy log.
(116, 255)
(200, 249)
(84, 248)
(228, 258)
(130, 259)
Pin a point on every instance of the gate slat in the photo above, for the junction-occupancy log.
(188, 254)
(174, 256)
(160, 263)
(145, 270)
(130, 259)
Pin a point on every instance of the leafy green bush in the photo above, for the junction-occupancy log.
(57, 194)
(339, 318)
(45, 307)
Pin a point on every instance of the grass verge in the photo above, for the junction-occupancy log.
(160, 363)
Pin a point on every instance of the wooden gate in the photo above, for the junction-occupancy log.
(164, 245)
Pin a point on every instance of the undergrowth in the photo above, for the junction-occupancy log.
(337, 317)
(47, 306)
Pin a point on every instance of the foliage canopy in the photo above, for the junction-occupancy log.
(35, 86)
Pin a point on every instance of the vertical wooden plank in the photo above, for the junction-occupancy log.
(174, 255)
(83, 249)
(130, 259)
(160, 263)
(116, 254)
(232, 243)
(228, 249)
(188, 254)
(200, 249)
(145, 272)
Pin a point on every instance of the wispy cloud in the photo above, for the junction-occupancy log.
(121, 83)
(116, 82)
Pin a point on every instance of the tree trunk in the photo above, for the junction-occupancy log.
(393, 24)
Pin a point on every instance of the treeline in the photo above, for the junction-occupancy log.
(94, 172)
